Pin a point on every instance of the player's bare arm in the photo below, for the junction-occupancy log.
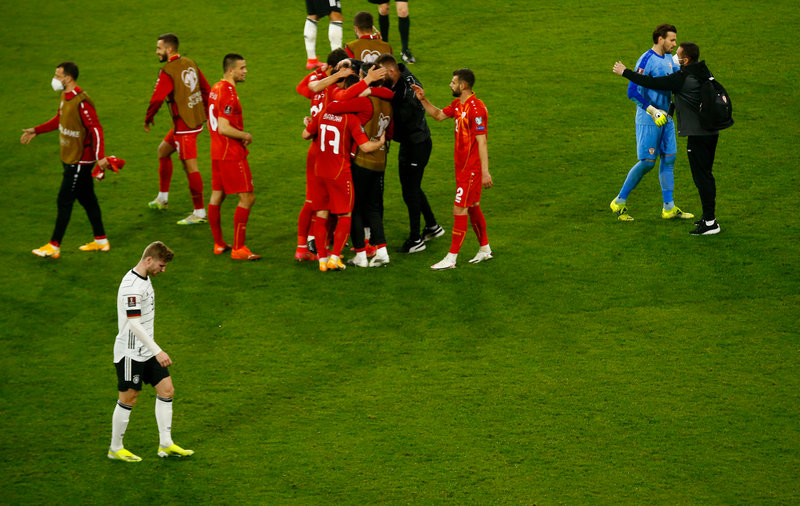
(320, 85)
(307, 135)
(27, 135)
(307, 120)
(164, 359)
(619, 68)
(103, 163)
(227, 130)
(147, 126)
(433, 111)
(370, 146)
(483, 153)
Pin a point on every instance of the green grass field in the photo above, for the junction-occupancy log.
(591, 362)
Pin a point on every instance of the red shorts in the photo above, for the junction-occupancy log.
(334, 195)
(468, 189)
(231, 176)
(184, 144)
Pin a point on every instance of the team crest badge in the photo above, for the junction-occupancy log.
(135, 379)
(189, 78)
(479, 120)
(724, 99)
(651, 150)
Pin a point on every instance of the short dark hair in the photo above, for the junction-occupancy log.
(336, 56)
(363, 21)
(465, 76)
(230, 60)
(662, 30)
(386, 60)
(350, 81)
(170, 39)
(158, 251)
(70, 69)
(691, 51)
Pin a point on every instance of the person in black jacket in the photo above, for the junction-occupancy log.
(701, 145)
(412, 132)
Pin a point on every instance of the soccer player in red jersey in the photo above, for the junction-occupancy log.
(332, 187)
(185, 89)
(230, 172)
(472, 163)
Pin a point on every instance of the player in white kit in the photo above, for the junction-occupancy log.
(138, 358)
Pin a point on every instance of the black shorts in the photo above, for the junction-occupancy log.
(322, 8)
(380, 2)
(131, 374)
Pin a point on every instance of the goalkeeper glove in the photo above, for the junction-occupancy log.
(659, 116)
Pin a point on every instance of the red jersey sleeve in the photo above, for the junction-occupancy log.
(357, 131)
(49, 126)
(360, 106)
(480, 119)
(164, 87)
(351, 92)
(205, 89)
(449, 111)
(303, 89)
(95, 129)
(313, 127)
(384, 93)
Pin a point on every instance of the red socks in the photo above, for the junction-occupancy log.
(164, 174)
(215, 221)
(304, 224)
(321, 236)
(239, 226)
(196, 188)
(341, 234)
(478, 224)
(459, 233)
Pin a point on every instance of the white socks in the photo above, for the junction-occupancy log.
(163, 196)
(119, 423)
(164, 419)
(201, 213)
(334, 34)
(310, 34)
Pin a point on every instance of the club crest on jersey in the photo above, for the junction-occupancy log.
(135, 379)
(189, 78)
(131, 301)
(651, 150)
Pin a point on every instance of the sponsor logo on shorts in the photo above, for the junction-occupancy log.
(135, 379)
(131, 301)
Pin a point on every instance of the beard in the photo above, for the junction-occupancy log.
(456, 93)
(162, 58)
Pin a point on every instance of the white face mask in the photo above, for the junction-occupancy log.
(56, 84)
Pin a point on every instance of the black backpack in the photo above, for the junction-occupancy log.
(716, 111)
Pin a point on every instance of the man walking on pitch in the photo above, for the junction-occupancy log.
(230, 172)
(185, 89)
(81, 139)
(412, 132)
(403, 23)
(316, 9)
(701, 145)
(137, 357)
(472, 163)
(655, 132)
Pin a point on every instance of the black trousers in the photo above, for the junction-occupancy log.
(701, 150)
(412, 160)
(368, 206)
(77, 184)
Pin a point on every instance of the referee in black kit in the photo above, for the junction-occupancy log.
(701, 145)
(412, 132)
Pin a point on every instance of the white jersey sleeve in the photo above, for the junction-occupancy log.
(135, 299)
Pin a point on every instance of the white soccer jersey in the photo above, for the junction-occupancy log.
(136, 299)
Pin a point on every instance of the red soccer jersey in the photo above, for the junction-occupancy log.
(224, 103)
(472, 120)
(335, 134)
